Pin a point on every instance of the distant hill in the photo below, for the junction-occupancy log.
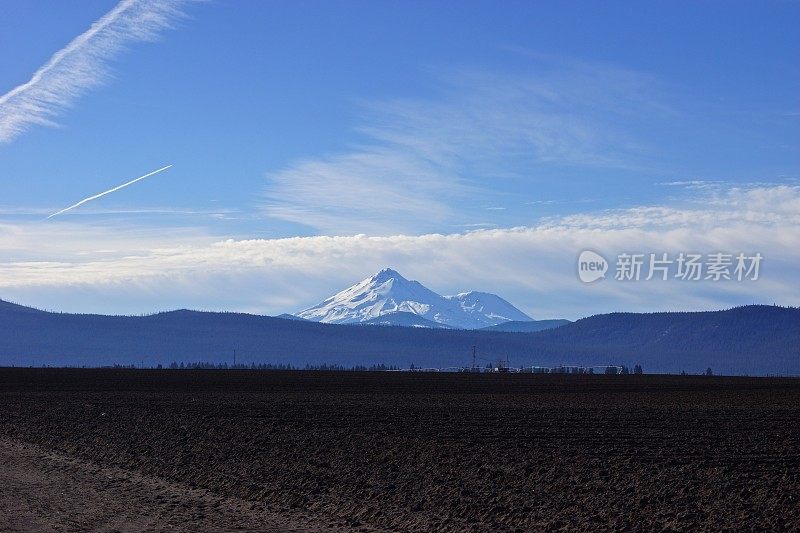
(746, 340)
(528, 326)
(755, 339)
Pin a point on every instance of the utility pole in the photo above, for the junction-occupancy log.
(234, 358)
(473, 356)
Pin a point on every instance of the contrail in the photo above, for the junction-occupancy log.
(118, 187)
(83, 64)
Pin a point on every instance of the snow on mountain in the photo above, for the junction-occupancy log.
(489, 309)
(403, 318)
(387, 292)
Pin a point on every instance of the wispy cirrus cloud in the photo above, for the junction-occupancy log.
(376, 188)
(82, 64)
(423, 162)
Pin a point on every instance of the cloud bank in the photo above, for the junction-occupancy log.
(82, 64)
(112, 271)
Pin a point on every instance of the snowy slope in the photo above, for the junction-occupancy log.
(488, 309)
(388, 292)
(403, 318)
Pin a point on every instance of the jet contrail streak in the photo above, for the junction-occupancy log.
(118, 187)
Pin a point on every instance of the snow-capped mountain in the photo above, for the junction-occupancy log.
(387, 293)
(489, 309)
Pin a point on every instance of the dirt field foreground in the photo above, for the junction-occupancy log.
(281, 451)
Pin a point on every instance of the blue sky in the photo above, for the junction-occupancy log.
(304, 119)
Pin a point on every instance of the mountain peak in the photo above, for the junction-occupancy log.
(387, 274)
(389, 293)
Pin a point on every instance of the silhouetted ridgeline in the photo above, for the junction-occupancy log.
(746, 340)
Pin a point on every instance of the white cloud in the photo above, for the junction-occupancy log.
(423, 161)
(376, 188)
(770, 206)
(82, 64)
(93, 269)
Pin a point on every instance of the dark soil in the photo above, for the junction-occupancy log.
(450, 452)
(43, 490)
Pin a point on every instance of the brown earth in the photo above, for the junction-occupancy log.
(43, 490)
(221, 450)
